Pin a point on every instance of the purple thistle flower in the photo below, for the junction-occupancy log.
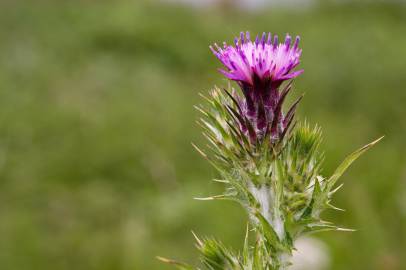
(260, 67)
(262, 59)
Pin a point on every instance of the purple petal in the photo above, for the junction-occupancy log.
(275, 40)
(291, 75)
(296, 43)
(288, 40)
(263, 39)
(269, 41)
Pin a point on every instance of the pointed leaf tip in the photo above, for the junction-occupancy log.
(198, 150)
(199, 242)
(210, 198)
(346, 230)
(179, 265)
(348, 161)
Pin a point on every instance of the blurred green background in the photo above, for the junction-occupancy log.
(96, 121)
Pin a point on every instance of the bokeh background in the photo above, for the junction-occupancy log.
(96, 120)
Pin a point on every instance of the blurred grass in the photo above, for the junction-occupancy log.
(96, 120)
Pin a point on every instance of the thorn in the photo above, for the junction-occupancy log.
(377, 140)
(221, 181)
(345, 230)
(336, 189)
(198, 150)
(176, 263)
(199, 109)
(336, 208)
(199, 242)
(204, 97)
(210, 198)
(165, 260)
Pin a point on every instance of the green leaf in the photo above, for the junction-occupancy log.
(348, 161)
(324, 226)
(315, 197)
(269, 233)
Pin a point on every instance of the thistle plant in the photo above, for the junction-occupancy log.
(269, 163)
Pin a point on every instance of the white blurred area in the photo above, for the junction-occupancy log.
(311, 254)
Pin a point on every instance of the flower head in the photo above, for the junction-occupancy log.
(260, 67)
(252, 62)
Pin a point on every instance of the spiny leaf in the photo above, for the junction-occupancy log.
(313, 202)
(215, 256)
(336, 189)
(246, 248)
(321, 227)
(348, 161)
(269, 233)
(334, 207)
